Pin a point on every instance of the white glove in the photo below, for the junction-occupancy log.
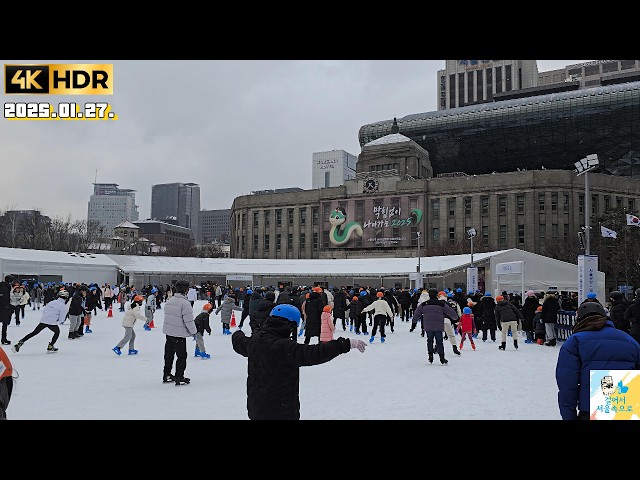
(356, 343)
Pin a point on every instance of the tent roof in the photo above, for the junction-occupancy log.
(335, 267)
(47, 256)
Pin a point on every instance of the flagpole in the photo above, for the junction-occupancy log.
(626, 267)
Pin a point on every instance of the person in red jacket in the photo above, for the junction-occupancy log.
(467, 327)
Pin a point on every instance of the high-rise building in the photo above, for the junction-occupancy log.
(331, 169)
(179, 200)
(215, 225)
(593, 73)
(468, 82)
(109, 206)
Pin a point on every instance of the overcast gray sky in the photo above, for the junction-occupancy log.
(232, 126)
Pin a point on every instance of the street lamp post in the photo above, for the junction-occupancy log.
(584, 166)
(418, 267)
(472, 233)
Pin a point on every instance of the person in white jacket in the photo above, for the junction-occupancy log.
(132, 314)
(381, 312)
(192, 295)
(424, 296)
(53, 314)
(449, 328)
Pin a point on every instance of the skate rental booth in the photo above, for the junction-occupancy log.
(538, 273)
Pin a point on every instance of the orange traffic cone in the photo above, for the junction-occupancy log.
(151, 325)
(233, 319)
(110, 312)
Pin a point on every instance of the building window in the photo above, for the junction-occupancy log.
(290, 215)
(607, 202)
(325, 240)
(502, 205)
(485, 235)
(303, 241)
(521, 234)
(461, 89)
(290, 242)
(314, 215)
(467, 206)
(267, 218)
(591, 70)
(627, 64)
(452, 234)
(554, 202)
(266, 242)
(565, 203)
(509, 84)
(452, 91)
(484, 202)
(554, 230)
(244, 221)
(503, 236)
(435, 208)
(594, 204)
(479, 83)
(315, 240)
(609, 67)
(542, 230)
(303, 216)
(470, 87)
(278, 241)
(581, 204)
(359, 217)
(435, 234)
(255, 243)
(452, 207)
(619, 202)
(255, 219)
(278, 219)
(498, 79)
(632, 204)
(489, 95)
(541, 200)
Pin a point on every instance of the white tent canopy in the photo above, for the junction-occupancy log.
(540, 272)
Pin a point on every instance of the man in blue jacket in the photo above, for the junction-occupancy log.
(595, 344)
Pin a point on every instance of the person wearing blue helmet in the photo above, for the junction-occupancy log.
(274, 358)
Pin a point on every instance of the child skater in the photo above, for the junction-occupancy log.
(132, 314)
(202, 324)
(227, 306)
(150, 308)
(326, 324)
(539, 326)
(467, 327)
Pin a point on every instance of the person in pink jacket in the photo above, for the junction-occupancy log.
(326, 324)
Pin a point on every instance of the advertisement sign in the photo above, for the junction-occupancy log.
(614, 395)
(509, 267)
(587, 276)
(389, 221)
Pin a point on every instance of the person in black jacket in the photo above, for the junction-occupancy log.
(264, 307)
(619, 305)
(404, 299)
(202, 325)
(507, 316)
(550, 309)
(313, 311)
(528, 310)
(632, 315)
(6, 310)
(77, 312)
(340, 303)
(274, 361)
(254, 300)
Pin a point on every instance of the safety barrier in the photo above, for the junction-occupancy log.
(565, 323)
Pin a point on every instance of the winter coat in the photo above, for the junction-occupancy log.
(392, 301)
(632, 315)
(263, 311)
(506, 312)
(538, 326)
(91, 302)
(326, 327)
(404, 299)
(131, 315)
(227, 306)
(616, 313)
(54, 312)
(274, 361)
(25, 299)
(15, 297)
(531, 303)
(192, 294)
(254, 300)
(379, 307)
(340, 303)
(150, 306)
(355, 309)
(432, 313)
(178, 317)
(313, 309)
(202, 322)
(467, 324)
(550, 309)
(486, 307)
(6, 310)
(595, 344)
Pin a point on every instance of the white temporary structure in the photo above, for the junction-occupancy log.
(541, 273)
(47, 266)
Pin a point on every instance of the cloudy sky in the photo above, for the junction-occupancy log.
(232, 126)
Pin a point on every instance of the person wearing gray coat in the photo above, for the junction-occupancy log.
(225, 310)
(177, 326)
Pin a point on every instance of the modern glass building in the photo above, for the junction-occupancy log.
(551, 131)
